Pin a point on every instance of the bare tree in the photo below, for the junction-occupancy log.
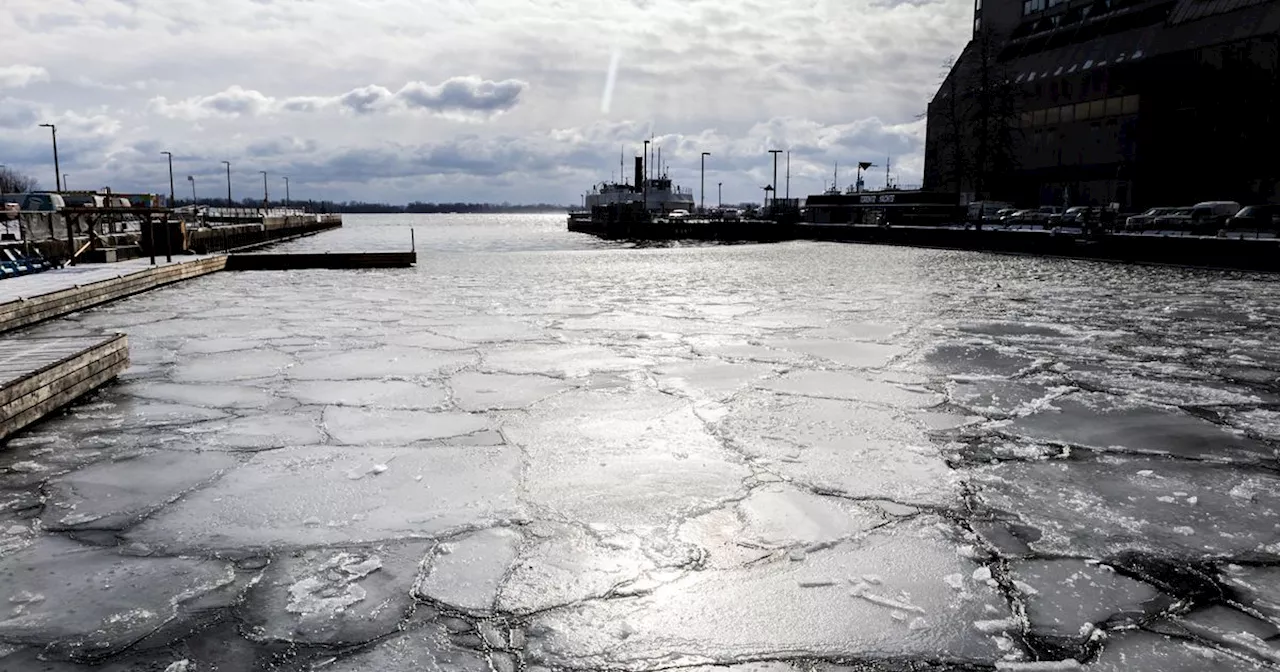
(12, 182)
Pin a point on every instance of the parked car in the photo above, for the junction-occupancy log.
(1004, 213)
(1146, 219)
(1209, 216)
(1178, 220)
(1255, 218)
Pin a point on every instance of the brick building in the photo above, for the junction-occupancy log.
(1137, 102)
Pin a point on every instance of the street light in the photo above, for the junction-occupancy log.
(64, 182)
(774, 185)
(265, 199)
(172, 197)
(646, 177)
(192, 180)
(719, 194)
(286, 191)
(704, 180)
(230, 203)
(57, 170)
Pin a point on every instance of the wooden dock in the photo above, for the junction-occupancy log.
(333, 260)
(56, 293)
(40, 375)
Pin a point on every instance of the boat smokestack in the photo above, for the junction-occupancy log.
(639, 171)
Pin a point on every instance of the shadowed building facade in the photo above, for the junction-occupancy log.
(1089, 102)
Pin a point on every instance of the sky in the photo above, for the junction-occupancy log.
(468, 100)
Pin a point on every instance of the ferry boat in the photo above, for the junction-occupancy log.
(658, 197)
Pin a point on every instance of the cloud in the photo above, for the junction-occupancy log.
(18, 76)
(465, 98)
(463, 95)
(18, 113)
(233, 102)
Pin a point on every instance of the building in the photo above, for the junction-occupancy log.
(1091, 102)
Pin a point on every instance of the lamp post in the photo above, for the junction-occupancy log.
(173, 197)
(704, 180)
(64, 182)
(192, 180)
(265, 199)
(720, 194)
(774, 185)
(230, 203)
(57, 170)
(286, 191)
(646, 177)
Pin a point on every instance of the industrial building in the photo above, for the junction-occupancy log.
(1091, 102)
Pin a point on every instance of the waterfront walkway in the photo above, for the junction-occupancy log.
(71, 277)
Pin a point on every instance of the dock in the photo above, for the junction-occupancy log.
(27, 300)
(41, 375)
(330, 260)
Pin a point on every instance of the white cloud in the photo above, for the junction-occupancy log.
(18, 76)
(465, 98)
(351, 92)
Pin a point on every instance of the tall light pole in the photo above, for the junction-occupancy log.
(173, 197)
(286, 191)
(266, 200)
(192, 180)
(230, 203)
(704, 180)
(646, 177)
(720, 194)
(57, 170)
(64, 182)
(788, 197)
(774, 185)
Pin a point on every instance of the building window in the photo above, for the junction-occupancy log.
(1113, 107)
(1052, 115)
(1032, 6)
(1037, 118)
(1097, 109)
(1082, 112)
(1067, 113)
(1129, 105)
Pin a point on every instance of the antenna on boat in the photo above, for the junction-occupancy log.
(888, 161)
(622, 163)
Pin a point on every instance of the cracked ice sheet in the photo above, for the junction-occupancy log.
(562, 564)
(213, 396)
(475, 392)
(851, 387)
(1099, 422)
(425, 649)
(1068, 597)
(231, 366)
(112, 495)
(378, 363)
(563, 361)
(397, 394)
(334, 595)
(856, 354)
(715, 616)
(365, 426)
(637, 457)
(1096, 508)
(315, 496)
(841, 446)
(83, 601)
(466, 573)
(711, 380)
(1142, 651)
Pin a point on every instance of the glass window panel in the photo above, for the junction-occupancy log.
(1113, 107)
(1026, 118)
(1037, 117)
(1068, 113)
(1052, 116)
(1097, 109)
(1129, 105)
(1082, 111)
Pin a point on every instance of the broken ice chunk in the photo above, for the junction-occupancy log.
(996, 626)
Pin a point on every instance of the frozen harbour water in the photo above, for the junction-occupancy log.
(539, 451)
